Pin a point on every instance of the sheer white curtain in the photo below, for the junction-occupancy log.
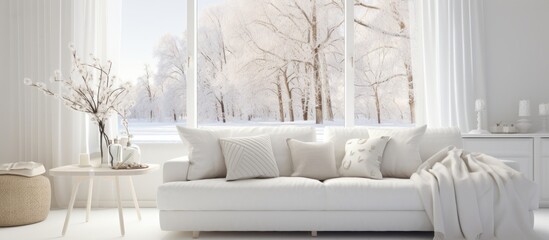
(449, 60)
(35, 39)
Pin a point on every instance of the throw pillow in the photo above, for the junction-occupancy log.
(401, 157)
(249, 157)
(313, 159)
(339, 136)
(205, 155)
(363, 157)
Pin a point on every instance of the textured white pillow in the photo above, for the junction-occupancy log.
(205, 155)
(278, 135)
(313, 159)
(339, 136)
(249, 157)
(363, 157)
(401, 157)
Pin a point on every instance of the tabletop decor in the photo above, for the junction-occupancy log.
(544, 113)
(131, 153)
(524, 124)
(90, 88)
(480, 106)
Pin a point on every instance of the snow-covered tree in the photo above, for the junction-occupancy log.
(383, 75)
(171, 76)
(283, 60)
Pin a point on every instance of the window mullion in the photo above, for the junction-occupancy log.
(349, 64)
(192, 63)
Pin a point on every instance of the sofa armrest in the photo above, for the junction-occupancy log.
(176, 169)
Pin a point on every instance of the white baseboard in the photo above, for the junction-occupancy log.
(112, 204)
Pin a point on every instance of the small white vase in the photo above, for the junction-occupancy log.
(132, 154)
(523, 125)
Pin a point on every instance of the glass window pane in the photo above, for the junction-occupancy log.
(270, 62)
(383, 75)
(154, 57)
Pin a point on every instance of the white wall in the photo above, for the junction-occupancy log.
(516, 57)
(5, 138)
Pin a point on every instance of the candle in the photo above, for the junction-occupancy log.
(543, 108)
(84, 159)
(524, 108)
(480, 105)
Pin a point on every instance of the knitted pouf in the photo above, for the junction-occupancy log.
(23, 200)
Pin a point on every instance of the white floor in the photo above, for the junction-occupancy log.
(104, 225)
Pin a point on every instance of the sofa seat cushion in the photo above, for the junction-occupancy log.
(282, 193)
(350, 193)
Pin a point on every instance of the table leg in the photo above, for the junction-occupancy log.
(120, 214)
(135, 203)
(71, 205)
(88, 207)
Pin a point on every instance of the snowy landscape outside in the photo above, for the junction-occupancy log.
(269, 62)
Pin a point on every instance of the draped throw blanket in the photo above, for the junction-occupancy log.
(475, 196)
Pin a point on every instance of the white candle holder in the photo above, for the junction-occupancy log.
(479, 129)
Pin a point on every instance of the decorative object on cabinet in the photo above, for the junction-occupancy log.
(524, 124)
(543, 113)
(503, 128)
(480, 106)
(497, 128)
(509, 128)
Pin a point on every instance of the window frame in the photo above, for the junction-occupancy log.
(349, 98)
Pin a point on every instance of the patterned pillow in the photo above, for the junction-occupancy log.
(249, 157)
(363, 157)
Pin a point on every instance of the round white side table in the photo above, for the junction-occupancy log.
(88, 174)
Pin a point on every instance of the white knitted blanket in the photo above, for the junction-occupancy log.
(476, 196)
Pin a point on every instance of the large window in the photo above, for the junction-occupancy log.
(154, 57)
(384, 91)
(270, 61)
(266, 62)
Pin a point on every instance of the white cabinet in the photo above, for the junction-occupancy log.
(542, 172)
(531, 151)
(519, 150)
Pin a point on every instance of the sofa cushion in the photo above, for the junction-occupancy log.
(401, 157)
(436, 139)
(290, 193)
(278, 135)
(339, 136)
(349, 193)
(282, 193)
(249, 157)
(206, 157)
(312, 159)
(363, 157)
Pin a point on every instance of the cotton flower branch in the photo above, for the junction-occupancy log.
(93, 91)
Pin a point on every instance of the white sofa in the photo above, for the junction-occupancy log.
(294, 203)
